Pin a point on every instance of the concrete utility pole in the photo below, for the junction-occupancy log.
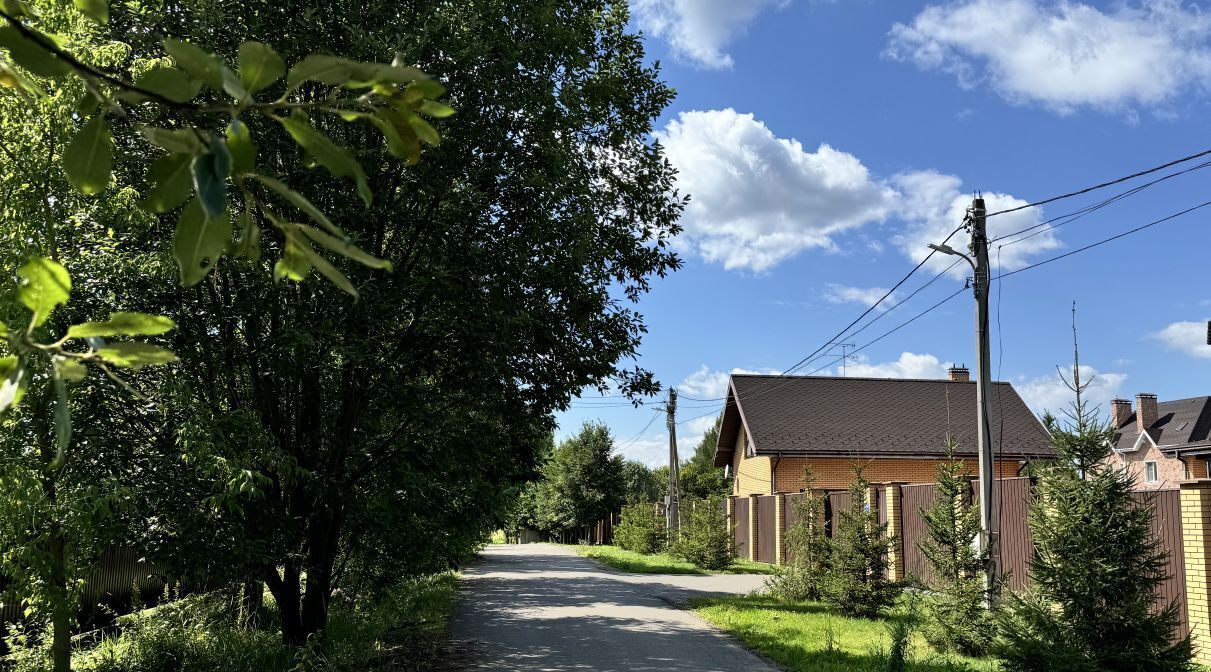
(989, 522)
(990, 532)
(674, 497)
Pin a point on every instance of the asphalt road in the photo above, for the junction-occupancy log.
(541, 607)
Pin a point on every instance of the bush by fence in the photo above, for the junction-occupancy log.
(642, 529)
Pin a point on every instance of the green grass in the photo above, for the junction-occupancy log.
(796, 635)
(498, 537)
(662, 563)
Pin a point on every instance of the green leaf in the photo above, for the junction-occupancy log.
(33, 54)
(423, 130)
(132, 355)
(177, 140)
(72, 370)
(171, 83)
(97, 10)
(260, 66)
(123, 324)
(12, 382)
(401, 142)
(3, 330)
(232, 84)
(248, 245)
(345, 248)
(435, 109)
(294, 264)
(197, 62)
(427, 88)
(338, 160)
(210, 173)
(344, 72)
(45, 286)
(199, 242)
(89, 158)
(301, 203)
(298, 250)
(62, 420)
(243, 151)
(173, 182)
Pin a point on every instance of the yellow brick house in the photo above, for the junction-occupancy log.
(895, 428)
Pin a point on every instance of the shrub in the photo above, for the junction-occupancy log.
(955, 616)
(807, 546)
(856, 582)
(1096, 569)
(706, 538)
(642, 529)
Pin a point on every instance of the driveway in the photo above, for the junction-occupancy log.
(542, 607)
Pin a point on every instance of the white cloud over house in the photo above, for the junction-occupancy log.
(699, 30)
(1187, 337)
(907, 365)
(1049, 393)
(1064, 56)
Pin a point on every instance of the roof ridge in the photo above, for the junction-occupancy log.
(868, 378)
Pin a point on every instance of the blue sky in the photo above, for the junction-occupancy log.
(824, 144)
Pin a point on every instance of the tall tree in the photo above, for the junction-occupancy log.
(641, 483)
(700, 478)
(583, 481)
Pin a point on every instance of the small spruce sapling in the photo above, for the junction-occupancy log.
(856, 582)
(807, 546)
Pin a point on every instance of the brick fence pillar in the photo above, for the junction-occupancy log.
(731, 514)
(752, 527)
(895, 530)
(779, 529)
(1196, 547)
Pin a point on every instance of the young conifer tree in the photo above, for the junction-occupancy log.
(1096, 570)
(807, 548)
(856, 582)
(955, 618)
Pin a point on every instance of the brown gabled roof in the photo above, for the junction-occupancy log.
(870, 417)
(1180, 424)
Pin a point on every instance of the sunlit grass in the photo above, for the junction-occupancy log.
(660, 563)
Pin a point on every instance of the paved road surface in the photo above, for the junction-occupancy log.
(541, 607)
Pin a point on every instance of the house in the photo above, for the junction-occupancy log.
(774, 426)
(1162, 443)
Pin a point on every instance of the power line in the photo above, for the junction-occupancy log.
(655, 414)
(1102, 185)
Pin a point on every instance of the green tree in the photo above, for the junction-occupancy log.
(706, 539)
(583, 481)
(1096, 569)
(955, 615)
(807, 545)
(641, 483)
(642, 529)
(856, 581)
(700, 478)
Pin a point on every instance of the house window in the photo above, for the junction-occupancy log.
(1150, 472)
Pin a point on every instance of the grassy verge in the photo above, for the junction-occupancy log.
(806, 636)
(662, 563)
(199, 634)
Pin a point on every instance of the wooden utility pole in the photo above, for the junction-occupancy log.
(672, 510)
(989, 522)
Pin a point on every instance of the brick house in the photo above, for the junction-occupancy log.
(1162, 443)
(894, 428)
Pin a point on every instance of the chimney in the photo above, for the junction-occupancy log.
(958, 374)
(1120, 410)
(1146, 414)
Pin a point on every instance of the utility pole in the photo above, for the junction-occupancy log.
(989, 523)
(674, 497)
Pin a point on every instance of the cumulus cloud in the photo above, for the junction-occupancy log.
(757, 199)
(866, 296)
(932, 205)
(698, 30)
(1063, 55)
(908, 365)
(706, 383)
(1187, 337)
(1049, 393)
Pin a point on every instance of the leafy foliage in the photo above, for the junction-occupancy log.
(700, 478)
(807, 546)
(955, 615)
(705, 539)
(856, 582)
(642, 529)
(582, 482)
(1096, 570)
(642, 484)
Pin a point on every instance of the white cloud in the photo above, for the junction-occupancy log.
(909, 365)
(1187, 337)
(757, 199)
(1063, 55)
(698, 30)
(866, 296)
(706, 383)
(1049, 393)
(933, 206)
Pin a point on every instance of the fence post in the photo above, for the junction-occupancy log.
(779, 528)
(895, 529)
(1196, 547)
(731, 515)
(752, 527)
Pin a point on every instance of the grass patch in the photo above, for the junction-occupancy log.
(807, 636)
(498, 537)
(660, 563)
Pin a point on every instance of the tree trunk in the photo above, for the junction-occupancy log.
(61, 617)
(323, 535)
(251, 599)
(285, 589)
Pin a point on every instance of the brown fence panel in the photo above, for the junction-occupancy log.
(742, 527)
(791, 518)
(1167, 528)
(836, 502)
(767, 520)
(913, 499)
